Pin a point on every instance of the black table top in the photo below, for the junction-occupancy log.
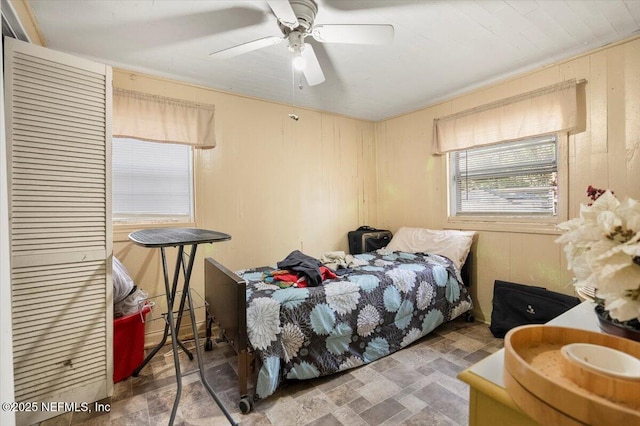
(171, 237)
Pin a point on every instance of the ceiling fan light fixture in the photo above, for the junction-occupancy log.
(296, 20)
(299, 63)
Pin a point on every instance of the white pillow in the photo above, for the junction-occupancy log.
(449, 243)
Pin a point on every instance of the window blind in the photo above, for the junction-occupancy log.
(151, 181)
(515, 179)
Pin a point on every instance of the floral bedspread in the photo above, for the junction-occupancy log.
(373, 311)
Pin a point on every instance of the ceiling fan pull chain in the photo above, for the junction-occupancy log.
(293, 114)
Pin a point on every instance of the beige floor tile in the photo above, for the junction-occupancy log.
(415, 386)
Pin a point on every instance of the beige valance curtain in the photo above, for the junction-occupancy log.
(159, 119)
(550, 109)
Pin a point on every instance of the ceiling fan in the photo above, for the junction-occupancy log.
(296, 21)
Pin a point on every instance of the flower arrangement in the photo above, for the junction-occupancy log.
(603, 251)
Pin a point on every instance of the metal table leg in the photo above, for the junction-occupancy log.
(170, 295)
(194, 327)
(174, 335)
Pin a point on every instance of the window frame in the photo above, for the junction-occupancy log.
(135, 222)
(513, 223)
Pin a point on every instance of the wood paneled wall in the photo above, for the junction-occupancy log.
(277, 185)
(272, 183)
(412, 187)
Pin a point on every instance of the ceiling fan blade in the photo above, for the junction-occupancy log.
(246, 47)
(366, 4)
(358, 34)
(283, 11)
(312, 71)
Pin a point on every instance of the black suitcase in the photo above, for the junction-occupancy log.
(366, 238)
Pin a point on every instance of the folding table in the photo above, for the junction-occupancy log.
(179, 237)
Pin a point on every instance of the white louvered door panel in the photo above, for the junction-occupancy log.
(59, 135)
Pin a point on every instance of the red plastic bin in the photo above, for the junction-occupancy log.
(128, 343)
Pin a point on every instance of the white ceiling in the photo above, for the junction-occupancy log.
(440, 49)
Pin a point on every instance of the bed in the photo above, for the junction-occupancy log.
(394, 297)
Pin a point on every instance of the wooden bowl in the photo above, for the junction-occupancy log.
(542, 385)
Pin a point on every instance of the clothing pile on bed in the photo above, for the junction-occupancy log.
(300, 270)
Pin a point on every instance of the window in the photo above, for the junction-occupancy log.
(510, 179)
(152, 182)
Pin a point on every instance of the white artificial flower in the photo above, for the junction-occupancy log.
(622, 309)
(613, 268)
(602, 247)
(577, 260)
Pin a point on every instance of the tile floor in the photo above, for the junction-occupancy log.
(415, 386)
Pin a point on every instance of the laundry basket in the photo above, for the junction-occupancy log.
(128, 343)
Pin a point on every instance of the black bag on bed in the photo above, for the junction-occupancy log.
(518, 304)
(366, 239)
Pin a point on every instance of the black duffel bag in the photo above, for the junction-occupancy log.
(518, 304)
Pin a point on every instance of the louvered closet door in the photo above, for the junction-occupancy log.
(59, 138)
